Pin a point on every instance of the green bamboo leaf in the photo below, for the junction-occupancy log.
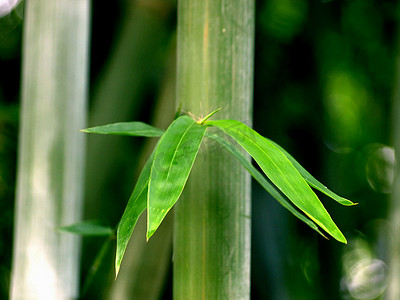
(126, 128)
(135, 207)
(173, 161)
(312, 181)
(281, 172)
(88, 228)
(263, 182)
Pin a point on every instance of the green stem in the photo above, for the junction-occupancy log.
(212, 220)
(201, 121)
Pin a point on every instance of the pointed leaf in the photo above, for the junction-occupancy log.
(263, 182)
(126, 128)
(135, 207)
(88, 228)
(312, 181)
(281, 172)
(173, 161)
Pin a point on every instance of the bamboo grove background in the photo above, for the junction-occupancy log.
(326, 88)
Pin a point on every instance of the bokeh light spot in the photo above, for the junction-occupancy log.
(380, 169)
(365, 276)
(6, 6)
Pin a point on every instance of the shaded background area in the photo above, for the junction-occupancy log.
(325, 76)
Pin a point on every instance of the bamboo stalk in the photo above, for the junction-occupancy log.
(212, 220)
(51, 149)
(145, 265)
(393, 289)
(118, 96)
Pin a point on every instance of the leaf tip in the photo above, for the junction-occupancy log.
(347, 202)
(323, 235)
(149, 234)
(116, 270)
(342, 239)
(151, 227)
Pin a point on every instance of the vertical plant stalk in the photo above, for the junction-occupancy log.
(118, 96)
(51, 149)
(145, 265)
(212, 220)
(393, 289)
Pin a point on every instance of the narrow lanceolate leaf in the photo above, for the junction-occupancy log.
(88, 228)
(172, 163)
(281, 172)
(312, 181)
(135, 207)
(263, 182)
(126, 128)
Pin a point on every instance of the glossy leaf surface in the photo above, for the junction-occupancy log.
(263, 182)
(126, 128)
(136, 205)
(281, 172)
(173, 160)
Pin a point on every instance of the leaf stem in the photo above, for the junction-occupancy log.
(201, 121)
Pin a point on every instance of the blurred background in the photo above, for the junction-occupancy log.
(325, 82)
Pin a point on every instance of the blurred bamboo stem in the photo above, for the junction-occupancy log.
(212, 220)
(145, 266)
(118, 95)
(51, 149)
(393, 289)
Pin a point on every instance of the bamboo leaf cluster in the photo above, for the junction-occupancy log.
(164, 176)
